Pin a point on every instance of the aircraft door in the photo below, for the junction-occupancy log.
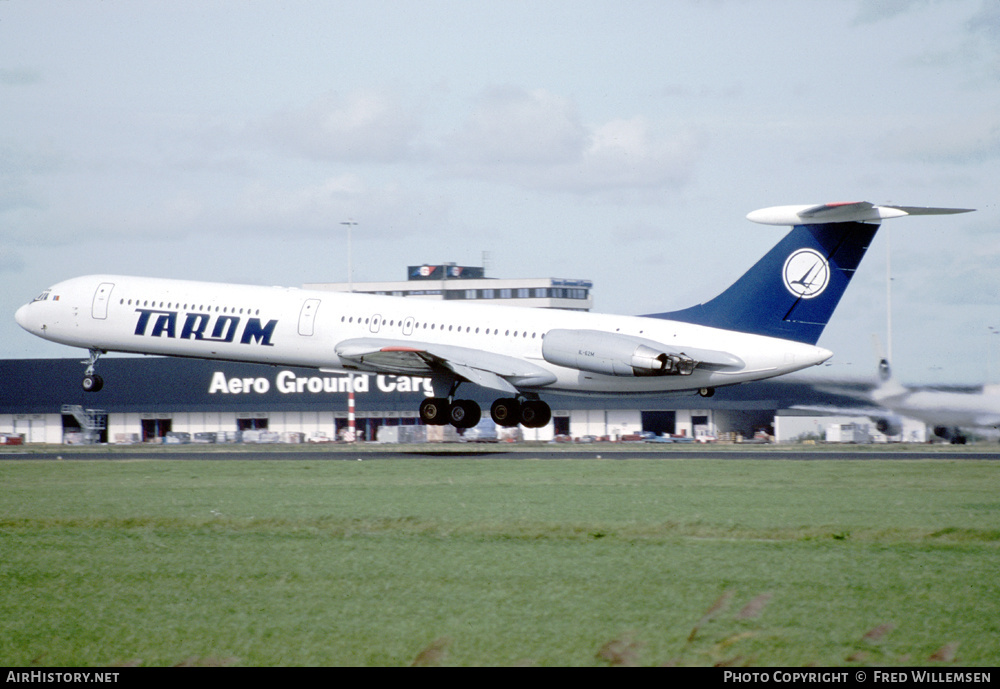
(376, 323)
(99, 309)
(307, 317)
(408, 325)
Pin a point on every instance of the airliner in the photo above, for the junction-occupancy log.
(766, 324)
(949, 414)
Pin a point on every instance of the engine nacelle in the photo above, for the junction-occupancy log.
(889, 425)
(613, 354)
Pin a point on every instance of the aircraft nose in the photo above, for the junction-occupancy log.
(21, 316)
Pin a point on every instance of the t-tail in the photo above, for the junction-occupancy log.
(792, 292)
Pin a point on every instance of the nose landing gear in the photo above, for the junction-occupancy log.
(91, 381)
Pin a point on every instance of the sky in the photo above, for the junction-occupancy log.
(622, 143)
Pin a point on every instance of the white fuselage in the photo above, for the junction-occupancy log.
(294, 327)
(940, 408)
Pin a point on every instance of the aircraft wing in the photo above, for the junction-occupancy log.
(487, 369)
(986, 421)
(832, 410)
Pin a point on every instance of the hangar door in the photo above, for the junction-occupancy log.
(659, 422)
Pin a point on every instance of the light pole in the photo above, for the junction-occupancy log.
(888, 297)
(350, 268)
(989, 353)
(352, 431)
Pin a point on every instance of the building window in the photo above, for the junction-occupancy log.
(155, 428)
(251, 424)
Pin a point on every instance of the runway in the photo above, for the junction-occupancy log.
(514, 453)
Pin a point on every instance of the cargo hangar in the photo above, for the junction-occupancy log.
(158, 399)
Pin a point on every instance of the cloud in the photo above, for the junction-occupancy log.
(634, 154)
(986, 23)
(531, 139)
(10, 260)
(948, 281)
(536, 140)
(312, 207)
(19, 170)
(383, 210)
(364, 126)
(513, 126)
(971, 141)
(19, 77)
(974, 50)
(871, 11)
(984, 30)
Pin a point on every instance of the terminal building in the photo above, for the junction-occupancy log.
(453, 282)
(156, 399)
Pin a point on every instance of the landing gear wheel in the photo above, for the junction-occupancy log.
(91, 381)
(506, 412)
(434, 411)
(706, 392)
(464, 414)
(535, 414)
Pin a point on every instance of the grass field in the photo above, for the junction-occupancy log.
(459, 561)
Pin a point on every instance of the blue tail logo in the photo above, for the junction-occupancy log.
(813, 270)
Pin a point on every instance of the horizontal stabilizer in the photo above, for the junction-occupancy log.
(861, 211)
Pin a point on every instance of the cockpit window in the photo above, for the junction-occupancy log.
(43, 296)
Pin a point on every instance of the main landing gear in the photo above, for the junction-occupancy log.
(508, 412)
(91, 381)
(511, 411)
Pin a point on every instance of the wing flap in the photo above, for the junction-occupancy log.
(490, 370)
(486, 379)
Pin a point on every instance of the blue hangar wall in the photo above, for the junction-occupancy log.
(170, 385)
(153, 396)
(150, 384)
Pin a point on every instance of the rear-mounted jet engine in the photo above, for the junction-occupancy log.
(613, 354)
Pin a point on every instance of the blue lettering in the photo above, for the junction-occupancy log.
(143, 322)
(220, 325)
(258, 333)
(166, 323)
(196, 324)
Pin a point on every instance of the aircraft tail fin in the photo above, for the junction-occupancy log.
(884, 371)
(886, 387)
(792, 292)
